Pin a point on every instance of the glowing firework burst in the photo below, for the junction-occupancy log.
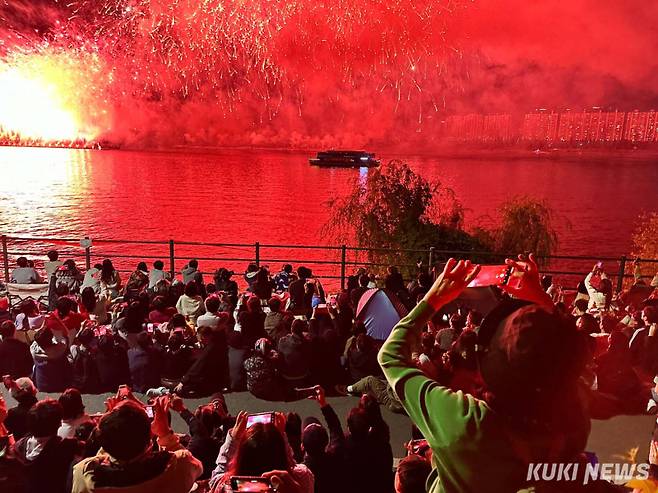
(237, 66)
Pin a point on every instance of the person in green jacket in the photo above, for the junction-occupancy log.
(534, 409)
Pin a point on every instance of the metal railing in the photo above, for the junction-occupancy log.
(329, 262)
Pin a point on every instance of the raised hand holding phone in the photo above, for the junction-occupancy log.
(451, 282)
(527, 283)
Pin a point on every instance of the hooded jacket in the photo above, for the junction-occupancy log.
(190, 307)
(173, 471)
(52, 370)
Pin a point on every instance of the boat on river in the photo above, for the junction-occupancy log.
(345, 159)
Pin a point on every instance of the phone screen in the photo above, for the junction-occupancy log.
(250, 484)
(490, 275)
(252, 419)
(149, 411)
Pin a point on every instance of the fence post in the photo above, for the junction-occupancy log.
(431, 258)
(257, 245)
(172, 260)
(87, 255)
(5, 258)
(622, 269)
(343, 266)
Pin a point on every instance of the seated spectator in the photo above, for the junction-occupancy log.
(52, 370)
(208, 372)
(368, 458)
(137, 282)
(283, 279)
(161, 313)
(127, 461)
(92, 278)
(614, 371)
(263, 379)
(46, 457)
(82, 355)
(112, 363)
(191, 273)
(260, 450)
(295, 353)
(223, 283)
(24, 274)
(212, 317)
(378, 388)
(205, 428)
(93, 307)
(73, 413)
(190, 305)
(29, 318)
(110, 281)
(157, 274)
(250, 276)
(64, 322)
(411, 474)
(15, 358)
(145, 363)
(52, 264)
(12, 474)
(177, 359)
(362, 358)
(263, 286)
(130, 323)
(252, 322)
(70, 276)
(274, 325)
(25, 394)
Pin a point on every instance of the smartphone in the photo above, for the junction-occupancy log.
(250, 484)
(305, 392)
(491, 275)
(7, 381)
(123, 392)
(149, 411)
(252, 419)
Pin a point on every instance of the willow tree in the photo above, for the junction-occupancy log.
(645, 237)
(395, 208)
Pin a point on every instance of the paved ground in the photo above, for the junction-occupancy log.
(611, 439)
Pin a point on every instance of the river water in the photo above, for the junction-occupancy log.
(244, 196)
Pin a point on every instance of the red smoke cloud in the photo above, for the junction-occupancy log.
(341, 72)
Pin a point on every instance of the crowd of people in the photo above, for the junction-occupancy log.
(469, 381)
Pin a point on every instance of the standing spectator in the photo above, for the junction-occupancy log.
(301, 301)
(356, 293)
(110, 280)
(15, 357)
(24, 274)
(68, 275)
(190, 305)
(145, 363)
(283, 279)
(52, 264)
(73, 413)
(191, 273)
(157, 274)
(25, 394)
(127, 461)
(52, 370)
(263, 286)
(47, 458)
